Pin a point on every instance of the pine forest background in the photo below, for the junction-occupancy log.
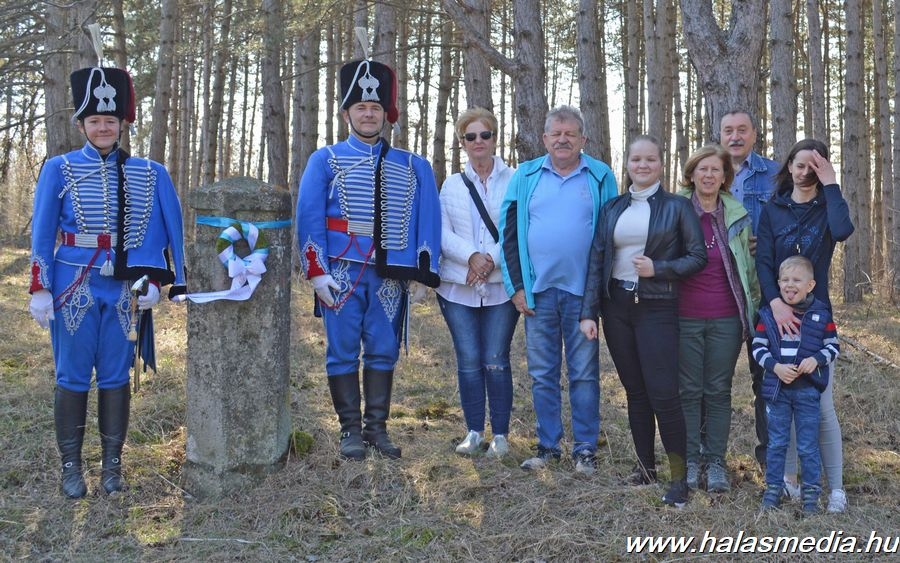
(229, 87)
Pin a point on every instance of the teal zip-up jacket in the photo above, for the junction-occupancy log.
(515, 260)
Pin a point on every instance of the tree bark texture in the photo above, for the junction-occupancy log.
(159, 131)
(658, 43)
(477, 73)
(216, 106)
(855, 159)
(527, 69)
(273, 120)
(783, 89)
(727, 61)
(306, 103)
(634, 61)
(120, 56)
(68, 48)
(816, 71)
(893, 233)
(591, 69)
(883, 215)
(439, 158)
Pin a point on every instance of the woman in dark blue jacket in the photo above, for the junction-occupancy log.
(808, 215)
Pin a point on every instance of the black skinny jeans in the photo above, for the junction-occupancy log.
(643, 341)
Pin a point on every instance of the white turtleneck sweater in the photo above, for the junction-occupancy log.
(630, 233)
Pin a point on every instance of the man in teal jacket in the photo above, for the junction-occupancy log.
(547, 222)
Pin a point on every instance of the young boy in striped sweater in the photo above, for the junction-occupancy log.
(796, 372)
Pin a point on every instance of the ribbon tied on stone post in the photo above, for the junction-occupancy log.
(246, 272)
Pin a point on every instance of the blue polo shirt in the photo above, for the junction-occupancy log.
(560, 229)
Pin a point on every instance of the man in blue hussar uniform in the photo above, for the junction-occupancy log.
(368, 223)
(102, 220)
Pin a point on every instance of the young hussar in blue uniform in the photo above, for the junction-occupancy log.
(368, 223)
(102, 219)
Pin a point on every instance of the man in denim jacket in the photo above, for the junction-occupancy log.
(753, 186)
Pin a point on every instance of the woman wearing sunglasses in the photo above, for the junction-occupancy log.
(474, 303)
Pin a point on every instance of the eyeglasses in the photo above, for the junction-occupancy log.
(485, 135)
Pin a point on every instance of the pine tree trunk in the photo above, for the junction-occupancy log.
(854, 163)
(816, 70)
(477, 71)
(401, 139)
(726, 60)
(207, 41)
(659, 43)
(331, 50)
(631, 27)
(120, 57)
(216, 105)
(186, 135)
(783, 90)
(883, 215)
(893, 234)
(159, 131)
(527, 69)
(439, 158)
(273, 118)
(68, 48)
(591, 69)
(306, 103)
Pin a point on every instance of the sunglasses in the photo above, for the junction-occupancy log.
(484, 135)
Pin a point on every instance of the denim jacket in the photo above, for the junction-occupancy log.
(759, 186)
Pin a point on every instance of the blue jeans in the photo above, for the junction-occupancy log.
(554, 325)
(801, 406)
(481, 338)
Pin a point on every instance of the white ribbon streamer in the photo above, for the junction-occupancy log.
(245, 273)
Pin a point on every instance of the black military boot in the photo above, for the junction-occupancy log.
(377, 390)
(69, 413)
(345, 396)
(113, 408)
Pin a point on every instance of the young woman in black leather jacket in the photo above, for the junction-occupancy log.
(646, 241)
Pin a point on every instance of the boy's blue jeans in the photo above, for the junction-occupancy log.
(802, 406)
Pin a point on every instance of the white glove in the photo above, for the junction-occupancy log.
(148, 301)
(42, 307)
(323, 285)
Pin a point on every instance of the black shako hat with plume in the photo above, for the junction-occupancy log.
(370, 81)
(102, 91)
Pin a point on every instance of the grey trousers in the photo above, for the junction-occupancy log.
(707, 354)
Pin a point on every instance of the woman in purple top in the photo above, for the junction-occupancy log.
(715, 311)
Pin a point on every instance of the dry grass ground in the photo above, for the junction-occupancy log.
(431, 505)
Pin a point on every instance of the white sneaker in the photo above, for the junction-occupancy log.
(586, 462)
(837, 501)
(470, 444)
(499, 446)
(791, 490)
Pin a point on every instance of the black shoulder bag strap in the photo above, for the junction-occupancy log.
(480, 206)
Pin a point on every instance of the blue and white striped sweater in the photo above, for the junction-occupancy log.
(818, 339)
